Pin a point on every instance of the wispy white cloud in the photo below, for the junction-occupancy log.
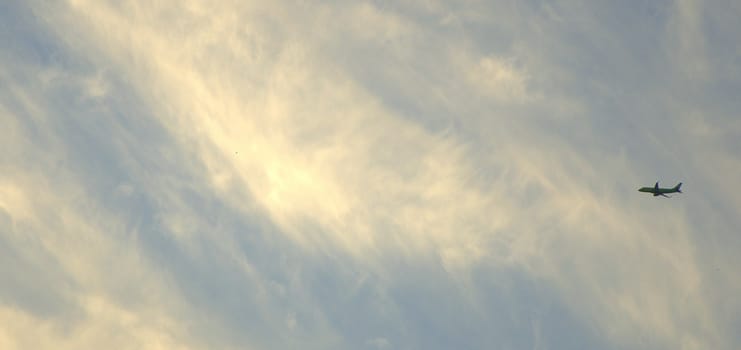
(387, 175)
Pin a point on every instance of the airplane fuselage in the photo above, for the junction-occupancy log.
(658, 191)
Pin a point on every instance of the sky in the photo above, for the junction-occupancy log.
(413, 174)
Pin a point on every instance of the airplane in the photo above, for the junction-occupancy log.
(658, 191)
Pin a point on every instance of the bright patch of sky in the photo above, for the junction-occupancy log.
(369, 175)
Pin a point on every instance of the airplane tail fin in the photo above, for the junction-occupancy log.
(678, 187)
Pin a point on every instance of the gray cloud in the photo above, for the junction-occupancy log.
(375, 174)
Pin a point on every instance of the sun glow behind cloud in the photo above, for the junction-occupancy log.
(363, 154)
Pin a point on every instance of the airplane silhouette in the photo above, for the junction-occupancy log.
(658, 191)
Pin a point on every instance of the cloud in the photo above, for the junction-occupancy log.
(60, 263)
(500, 79)
(342, 175)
